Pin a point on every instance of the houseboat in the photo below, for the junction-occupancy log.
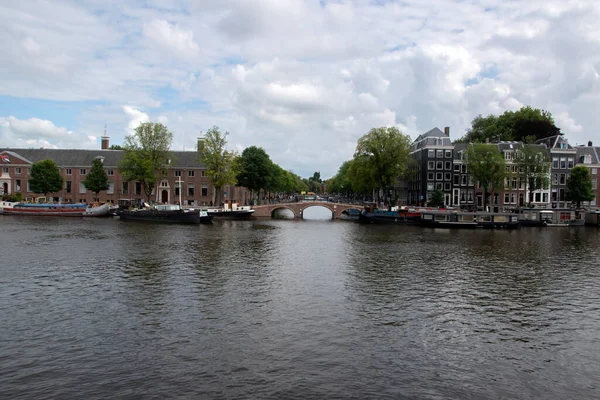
(392, 215)
(562, 218)
(54, 209)
(469, 220)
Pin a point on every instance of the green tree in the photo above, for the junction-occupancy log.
(96, 180)
(341, 182)
(437, 199)
(45, 177)
(579, 185)
(222, 165)
(487, 167)
(533, 167)
(527, 124)
(116, 147)
(382, 156)
(147, 155)
(255, 167)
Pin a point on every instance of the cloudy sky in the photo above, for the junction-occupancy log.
(302, 79)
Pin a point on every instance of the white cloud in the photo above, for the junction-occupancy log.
(171, 36)
(35, 132)
(303, 80)
(136, 117)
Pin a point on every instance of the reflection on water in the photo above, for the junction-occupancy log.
(296, 309)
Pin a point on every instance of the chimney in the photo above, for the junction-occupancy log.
(200, 143)
(447, 131)
(105, 145)
(590, 143)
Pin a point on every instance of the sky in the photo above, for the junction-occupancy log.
(304, 80)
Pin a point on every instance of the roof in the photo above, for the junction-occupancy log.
(582, 151)
(433, 137)
(84, 158)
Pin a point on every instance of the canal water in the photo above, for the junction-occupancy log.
(287, 309)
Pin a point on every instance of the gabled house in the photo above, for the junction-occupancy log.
(589, 157)
(433, 154)
(562, 158)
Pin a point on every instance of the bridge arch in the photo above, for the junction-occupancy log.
(298, 208)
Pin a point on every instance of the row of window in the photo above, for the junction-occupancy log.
(440, 165)
(563, 162)
(109, 172)
(439, 153)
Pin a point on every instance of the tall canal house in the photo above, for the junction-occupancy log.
(186, 174)
(441, 165)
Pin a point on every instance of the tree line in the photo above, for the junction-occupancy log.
(381, 161)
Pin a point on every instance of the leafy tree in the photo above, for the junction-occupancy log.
(341, 182)
(533, 167)
(147, 155)
(487, 167)
(222, 164)
(96, 180)
(579, 185)
(316, 177)
(116, 147)
(255, 168)
(437, 199)
(382, 156)
(45, 177)
(527, 124)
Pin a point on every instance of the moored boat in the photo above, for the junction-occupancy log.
(164, 213)
(393, 215)
(562, 218)
(469, 220)
(231, 211)
(55, 209)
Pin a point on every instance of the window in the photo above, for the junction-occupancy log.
(562, 179)
(563, 163)
(177, 188)
(430, 176)
(81, 188)
(439, 176)
(178, 173)
(447, 186)
(203, 173)
(110, 172)
(111, 188)
(563, 145)
(545, 197)
(165, 172)
(506, 198)
(190, 188)
(430, 185)
(28, 172)
(431, 153)
(82, 171)
(448, 165)
(440, 154)
(448, 153)
(448, 176)
(68, 171)
(68, 187)
(555, 179)
(456, 179)
(439, 165)
(17, 185)
(18, 170)
(439, 186)
(463, 169)
(594, 171)
(125, 187)
(430, 165)
(190, 174)
(204, 189)
(28, 186)
(456, 167)
(463, 180)
(570, 162)
(138, 188)
(554, 162)
(5, 170)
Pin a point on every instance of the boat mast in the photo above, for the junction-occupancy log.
(180, 189)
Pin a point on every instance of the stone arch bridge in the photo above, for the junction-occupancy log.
(298, 208)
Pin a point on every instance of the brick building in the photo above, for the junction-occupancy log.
(196, 188)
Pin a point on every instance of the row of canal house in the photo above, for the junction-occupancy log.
(440, 165)
(186, 174)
